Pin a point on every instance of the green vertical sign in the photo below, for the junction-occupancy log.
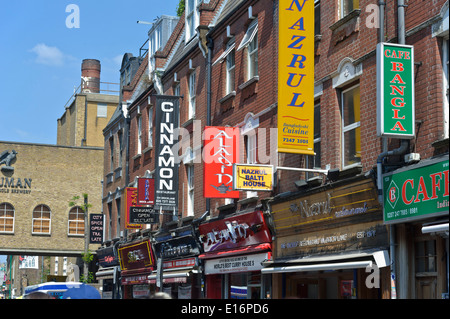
(395, 91)
(417, 193)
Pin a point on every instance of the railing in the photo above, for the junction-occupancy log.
(111, 89)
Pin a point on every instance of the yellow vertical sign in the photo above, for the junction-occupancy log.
(296, 77)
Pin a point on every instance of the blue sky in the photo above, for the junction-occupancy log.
(40, 57)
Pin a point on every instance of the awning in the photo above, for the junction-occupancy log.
(171, 276)
(233, 252)
(106, 273)
(437, 229)
(334, 262)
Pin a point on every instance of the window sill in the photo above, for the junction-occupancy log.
(227, 97)
(109, 178)
(75, 235)
(41, 234)
(135, 157)
(249, 82)
(188, 122)
(349, 17)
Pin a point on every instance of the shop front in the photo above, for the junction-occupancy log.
(234, 251)
(177, 251)
(416, 207)
(330, 243)
(136, 264)
(109, 271)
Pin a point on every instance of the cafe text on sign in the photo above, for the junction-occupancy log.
(395, 91)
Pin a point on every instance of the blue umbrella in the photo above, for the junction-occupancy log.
(82, 292)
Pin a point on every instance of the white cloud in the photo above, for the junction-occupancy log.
(48, 55)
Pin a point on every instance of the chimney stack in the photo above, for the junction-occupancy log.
(90, 76)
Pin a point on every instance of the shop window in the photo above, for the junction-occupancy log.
(41, 220)
(347, 6)
(351, 131)
(76, 221)
(7, 214)
(425, 256)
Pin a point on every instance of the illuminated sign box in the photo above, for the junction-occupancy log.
(416, 193)
(253, 177)
(395, 91)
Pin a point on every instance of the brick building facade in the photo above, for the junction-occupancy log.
(222, 58)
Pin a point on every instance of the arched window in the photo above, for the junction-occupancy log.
(6, 218)
(76, 221)
(41, 220)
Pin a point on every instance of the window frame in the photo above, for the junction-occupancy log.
(79, 211)
(190, 176)
(192, 95)
(347, 128)
(41, 219)
(139, 134)
(5, 218)
(343, 12)
(150, 126)
(230, 65)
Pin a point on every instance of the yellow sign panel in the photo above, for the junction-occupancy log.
(253, 177)
(296, 77)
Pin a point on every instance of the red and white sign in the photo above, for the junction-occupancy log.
(235, 232)
(221, 152)
(146, 191)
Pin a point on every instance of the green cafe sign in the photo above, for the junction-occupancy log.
(416, 193)
(395, 91)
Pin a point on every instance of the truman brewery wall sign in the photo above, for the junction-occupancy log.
(8, 183)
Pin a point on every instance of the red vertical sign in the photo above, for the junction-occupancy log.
(146, 191)
(220, 153)
(130, 200)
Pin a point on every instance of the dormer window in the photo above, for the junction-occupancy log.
(192, 18)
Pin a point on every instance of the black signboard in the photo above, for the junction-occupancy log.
(95, 228)
(143, 215)
(166, 151)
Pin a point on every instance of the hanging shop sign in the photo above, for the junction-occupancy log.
(143, 215)
(296, 77)
(95, 228)
(166, 150)
(416, 192)
(395, 91)
(136, 256)
(177, 247)
(233, 264)
(146, 191)
(253, 177)
(235, 232)
(130, 201)
(345, 217)
(107, 257)
(221, 152)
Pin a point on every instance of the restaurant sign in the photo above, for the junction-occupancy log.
(416, 193)
(395, 91)
(253, 177)
(296, 77)
(234, 232)
(136, 256)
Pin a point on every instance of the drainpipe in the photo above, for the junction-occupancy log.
(210, 45)
(404, 143)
